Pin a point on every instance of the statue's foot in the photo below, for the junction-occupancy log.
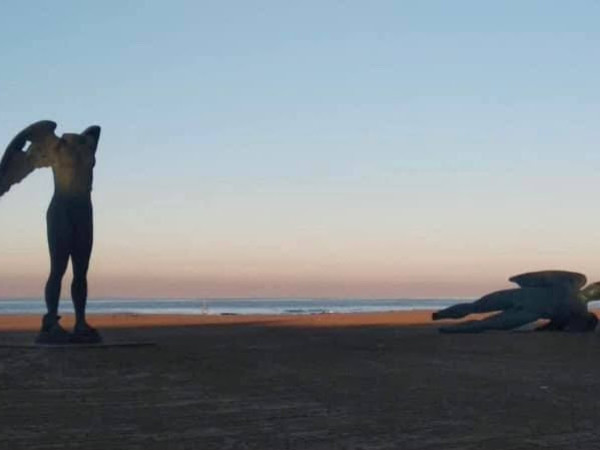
(85, 334)
(52, 333)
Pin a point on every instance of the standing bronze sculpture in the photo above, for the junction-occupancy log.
(69, 216)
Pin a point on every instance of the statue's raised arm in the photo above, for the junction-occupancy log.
(16, 164)
(93, 134)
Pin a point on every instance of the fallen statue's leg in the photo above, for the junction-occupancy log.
(454, 311)
(506, 320)
(496, 301)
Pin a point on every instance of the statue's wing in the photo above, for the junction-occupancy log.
(550, 278)
(16, 164)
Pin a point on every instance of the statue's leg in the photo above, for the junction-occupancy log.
(80, 258)
(496, 301)
(59, 244)
(454, 311)
(506, 320)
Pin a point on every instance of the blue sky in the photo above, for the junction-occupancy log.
(380, 149)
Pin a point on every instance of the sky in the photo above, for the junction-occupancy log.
(345, 149)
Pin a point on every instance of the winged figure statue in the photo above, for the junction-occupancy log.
(556, 295)
(69, 217)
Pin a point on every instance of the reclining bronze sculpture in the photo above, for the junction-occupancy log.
(556, 295)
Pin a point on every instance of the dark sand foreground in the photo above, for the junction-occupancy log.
(380, 381)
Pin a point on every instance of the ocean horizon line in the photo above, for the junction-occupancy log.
(366, 299)
(255, 306)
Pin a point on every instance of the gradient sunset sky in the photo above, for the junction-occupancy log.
(383, 149)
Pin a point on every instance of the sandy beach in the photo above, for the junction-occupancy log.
(372, 381)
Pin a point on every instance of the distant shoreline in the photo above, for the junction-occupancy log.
(30, 322)
(230, 307)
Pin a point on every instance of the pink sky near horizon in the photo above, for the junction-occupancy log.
(343, 245)
(363, 248)
(361, 269)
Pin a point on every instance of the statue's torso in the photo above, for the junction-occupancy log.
(550, 303)
(72, 166)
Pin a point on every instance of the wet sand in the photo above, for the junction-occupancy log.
(363, 381)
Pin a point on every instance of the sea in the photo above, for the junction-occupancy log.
(230, 306)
